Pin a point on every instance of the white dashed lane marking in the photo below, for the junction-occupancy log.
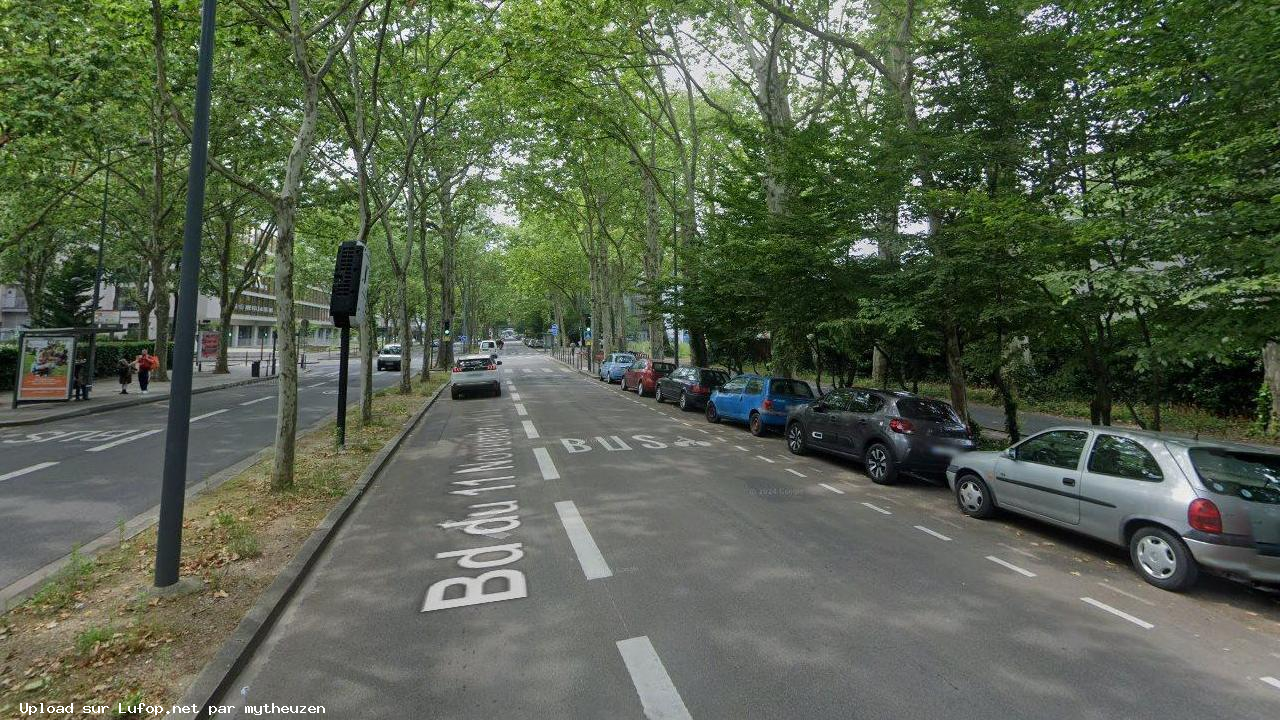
(261, 399)
(1118, 613)
(877, 508)
(765, 459)
(1011, 566)
(835, 490)
(545, 464)
(530, 430)
(934, 533)
(208, 415)
(584, 546)
(658, 695)
(1271, 681)
(795, 472)
(25, 470)
(520, 409)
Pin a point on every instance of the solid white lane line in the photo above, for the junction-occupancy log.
(795, 472)
(835, 490)
(877, 508)
(515, 396)
(121, 441)
(261, 399)
(584, 546)
(1119, 613)
(209, 414)
(1271, 681)
(1011, 566)
(530, 430)
(658, 695)
(934, 533)
(25, 470)
(1129, 595)
(765, 459)
(520, 409)
(545, 464)
(741, 448)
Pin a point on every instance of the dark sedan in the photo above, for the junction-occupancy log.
(891, 432)
(690, 387)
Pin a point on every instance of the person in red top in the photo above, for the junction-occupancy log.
(146, 362)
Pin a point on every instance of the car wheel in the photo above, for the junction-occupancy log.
(795, 439)
(640, 388)
(684, 401)
(1162, 559)
(880, 465)
(657, 394)
(974, 497)
(497, 389)
(756, 424)
(712, 415)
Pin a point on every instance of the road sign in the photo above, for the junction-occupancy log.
(555, 329)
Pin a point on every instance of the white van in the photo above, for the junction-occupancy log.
(489, 346)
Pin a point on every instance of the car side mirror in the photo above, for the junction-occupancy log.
(1010, 453)
(820, 406)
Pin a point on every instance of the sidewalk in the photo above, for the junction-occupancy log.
(106, 396)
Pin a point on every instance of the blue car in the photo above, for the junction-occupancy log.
(614, 365)
(762, 402)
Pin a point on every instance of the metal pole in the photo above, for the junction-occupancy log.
(92, 373)
(342, 387)
(273, 352)
(173, 490)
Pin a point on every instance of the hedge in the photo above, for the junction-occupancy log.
(107, 355)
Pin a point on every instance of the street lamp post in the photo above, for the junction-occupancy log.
(174, 486)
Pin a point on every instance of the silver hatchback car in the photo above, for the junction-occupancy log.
(1177, 504)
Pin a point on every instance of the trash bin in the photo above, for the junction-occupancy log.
(255, 368)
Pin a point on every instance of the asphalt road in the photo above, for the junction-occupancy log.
(649, 564)
(66, 482)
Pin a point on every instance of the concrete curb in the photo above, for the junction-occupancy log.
(14, 593)
(214, 680)
(94, 410)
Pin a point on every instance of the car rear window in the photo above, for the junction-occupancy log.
(932, 410)
(1253, 476)
(665, 367)
(473, 363)
(798, 388)
(624, 358)
(714, 377)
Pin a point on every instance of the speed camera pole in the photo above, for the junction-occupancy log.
(346, 306)
(173, 489)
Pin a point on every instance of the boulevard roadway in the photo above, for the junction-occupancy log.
(643, 563)
(66, 482)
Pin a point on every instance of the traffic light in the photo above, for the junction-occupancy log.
(445, 323)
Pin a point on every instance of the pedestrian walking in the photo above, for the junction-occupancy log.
(124, 373)
(145, 363)
(80, 380)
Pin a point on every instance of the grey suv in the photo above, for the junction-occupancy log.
(891, 432)
(1177, 504)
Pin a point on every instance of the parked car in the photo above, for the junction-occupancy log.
(644, 374)
(762, 402)
(389, 357)
(890, 432)
(615, 366)
(690, 387)
(1176, 504)
(475, 372)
